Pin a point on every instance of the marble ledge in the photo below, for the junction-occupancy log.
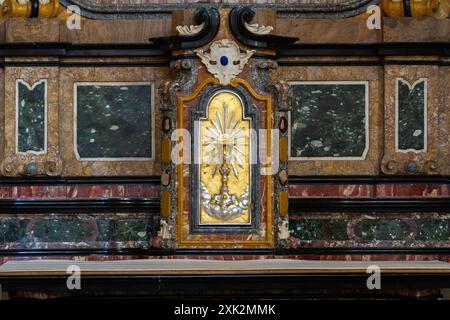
(80, 191)
(369, 191)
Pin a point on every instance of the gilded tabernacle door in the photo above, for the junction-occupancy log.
(225, 186)
(225, 167)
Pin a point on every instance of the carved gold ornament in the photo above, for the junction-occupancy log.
(225, 60)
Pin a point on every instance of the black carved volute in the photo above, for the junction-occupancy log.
(211, 19)
(239, 16)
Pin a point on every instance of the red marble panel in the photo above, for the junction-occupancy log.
(141, 191)
(331, 190)
(412, 190)
(79, 191)
(39, 191)
(5, 192)
(95, 191)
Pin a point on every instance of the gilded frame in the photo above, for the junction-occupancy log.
(198, 238)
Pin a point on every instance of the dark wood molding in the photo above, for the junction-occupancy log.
(162, 46)
(155, 180)
(222, 286)
(78, 206)
(300, 251)
(367, 49)
(394, 205)
(65, 49)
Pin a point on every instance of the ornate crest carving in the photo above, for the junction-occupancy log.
(225, 60)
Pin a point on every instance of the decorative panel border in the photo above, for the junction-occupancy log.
(31, 87)
(31, 163)
(366, 119)
(264, 236)
(397, 115)
(410, 161)
(104, 167)
(105, 84)
(372, 75)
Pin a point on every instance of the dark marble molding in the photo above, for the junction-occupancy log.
(299, 205)
(321, 9)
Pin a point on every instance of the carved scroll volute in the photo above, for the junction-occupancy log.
(185, 73)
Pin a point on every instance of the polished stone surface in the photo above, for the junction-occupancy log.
(65, 231)
(370, 230)
(328, 120)
(114, 121)
(411, 108)
(31, 117)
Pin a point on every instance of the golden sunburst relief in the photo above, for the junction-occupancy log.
(225, 169)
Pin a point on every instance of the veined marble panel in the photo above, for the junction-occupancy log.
(411, 115)
(113, 121)
(329, 120)
(31, 116)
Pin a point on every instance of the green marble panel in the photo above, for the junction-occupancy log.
(318, 229)
(114, 121)
(411, 122)
(12, 230)
(328, 120)
(31, 117)
(433, 229)
(125, 230)
(62, 230)
(382, 229)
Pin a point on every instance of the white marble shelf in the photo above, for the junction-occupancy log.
(202, 267)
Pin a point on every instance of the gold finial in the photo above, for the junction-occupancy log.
(417, 8)
(26, 9)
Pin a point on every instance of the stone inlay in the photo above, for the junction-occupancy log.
(114, 120)
(329, 119)
(411, 115)
(382, 229)
(319, 229)
(418, 229)
(31, 104)
(98, 230)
